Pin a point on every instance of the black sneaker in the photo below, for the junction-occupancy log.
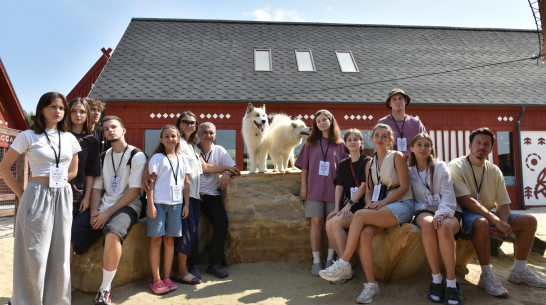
(103, 298)
(217, 271)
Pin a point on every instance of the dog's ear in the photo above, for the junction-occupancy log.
(249, 108)
(263, 107)
(294, 125)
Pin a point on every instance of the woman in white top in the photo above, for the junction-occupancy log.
(41, 264)
(438, 215)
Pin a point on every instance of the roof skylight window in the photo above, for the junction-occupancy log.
(304, 60)
(346, 61)
(262, 60)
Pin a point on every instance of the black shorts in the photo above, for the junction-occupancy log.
(458, 216)
(83, 235)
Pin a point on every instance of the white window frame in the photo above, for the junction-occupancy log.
(312, 60)
(270, 60)
(353, 59)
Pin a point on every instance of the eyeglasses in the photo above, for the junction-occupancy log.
(188, 123)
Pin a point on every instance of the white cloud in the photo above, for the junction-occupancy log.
(329, 8)
(267, 14)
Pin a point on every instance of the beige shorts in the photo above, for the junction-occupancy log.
(315, 208)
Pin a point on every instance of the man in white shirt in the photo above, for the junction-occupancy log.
(478, 195)
(211, 201)
(114, 212)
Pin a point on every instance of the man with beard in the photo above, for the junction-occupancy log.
(479, 187)
(114, 212)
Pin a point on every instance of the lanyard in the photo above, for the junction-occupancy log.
(478, 187)
(324, 155)
(206, 156)
(113, 165)
(57, 157)
(377, 172)
(353, 171)
(396, 124)
(424, 182)
(172, 168)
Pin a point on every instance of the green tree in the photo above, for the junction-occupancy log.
(29, 116)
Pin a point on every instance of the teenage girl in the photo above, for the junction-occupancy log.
(170, 174)
(387, 170)
(41, 255)
(438, 215)
(318, 161)
(350, 189)
(80, 125)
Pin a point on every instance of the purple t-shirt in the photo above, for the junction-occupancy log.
(319, 187)
(407, 128)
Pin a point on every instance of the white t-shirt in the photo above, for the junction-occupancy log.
(40, 154)
(159, 164)
(129, 177)
(192, 157)
(217, 155)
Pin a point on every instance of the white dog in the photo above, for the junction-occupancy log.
(255, 130)
(284, 135)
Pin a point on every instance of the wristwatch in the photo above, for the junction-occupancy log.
(351, 202)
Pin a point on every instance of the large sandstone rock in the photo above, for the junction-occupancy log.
(266, 219)
(134, 263)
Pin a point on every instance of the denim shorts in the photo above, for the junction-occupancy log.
(316, 208)
(469, 217)
(402, 210)
(168, 220)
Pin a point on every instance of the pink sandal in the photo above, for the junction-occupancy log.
(159, 287)
(172, 286)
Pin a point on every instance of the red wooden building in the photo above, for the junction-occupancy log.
(459, 79)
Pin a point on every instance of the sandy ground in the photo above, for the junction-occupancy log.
(291, 283)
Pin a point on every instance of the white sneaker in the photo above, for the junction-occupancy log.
(370, 290)
(491, 284)
(336, 272)
(527, 277)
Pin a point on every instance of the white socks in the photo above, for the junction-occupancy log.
(486, 269)
(107, 278)
(316, 257)
(519, 266)
(437, 278)
(343, 263)
(331, 253)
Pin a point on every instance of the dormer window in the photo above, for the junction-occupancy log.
(262, 60)
(346, 61)
(304, 60)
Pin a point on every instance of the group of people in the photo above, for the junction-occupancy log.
(86, 182)
(403, 182)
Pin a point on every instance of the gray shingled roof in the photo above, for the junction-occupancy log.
(212, 61)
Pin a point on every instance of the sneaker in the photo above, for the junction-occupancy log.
(172, 286)
(328, 264)
(342, 281)
(315, 268)
(336, 272)
(159, 287)
(527, 277)
(491, 284)
(104, 297)
(370, 290)
(454, 294)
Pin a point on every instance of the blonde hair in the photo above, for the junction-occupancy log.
(389, 133)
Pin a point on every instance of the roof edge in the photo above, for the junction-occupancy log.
(329, 24)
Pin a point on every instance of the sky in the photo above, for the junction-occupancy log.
(49, 45)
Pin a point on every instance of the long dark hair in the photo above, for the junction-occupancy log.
(39, 124)
(334, 134)
(412, 160)
(193, 137)
(160, 149)
(88, 124)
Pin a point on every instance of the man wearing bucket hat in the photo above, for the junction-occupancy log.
(404, 126)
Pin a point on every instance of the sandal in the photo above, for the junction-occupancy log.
(454, 294)
(436, 290)
(189, 279)
(159, 287)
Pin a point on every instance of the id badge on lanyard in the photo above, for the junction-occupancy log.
(353, 191)
(433, 200)
(401, 144)
(324, 168)
(56, 176)
(376, 191)
(478, 197)
(115, 185)
(176, 193)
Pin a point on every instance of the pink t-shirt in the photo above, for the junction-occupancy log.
(409, 128)
(319, 187)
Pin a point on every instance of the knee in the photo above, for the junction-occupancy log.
(317, 222)
(331, 224)
(168, 241)
(426, 226)
(366, 235)
(111, 238)
(155, 241)
(480, 225)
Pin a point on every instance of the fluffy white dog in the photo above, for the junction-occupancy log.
(255, 131)
(284, 135)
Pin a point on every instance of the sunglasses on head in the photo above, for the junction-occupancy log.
(188, 123)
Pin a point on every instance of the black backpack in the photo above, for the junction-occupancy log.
(143, 198)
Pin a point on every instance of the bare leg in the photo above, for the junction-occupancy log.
(315, 234)
(168, 255)
(365, 251)
(155, 250)
(525, 227)
(112, 251)
(429, 238)
(335, 228)
(182, 266)
(480, 239)
(448, 247)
